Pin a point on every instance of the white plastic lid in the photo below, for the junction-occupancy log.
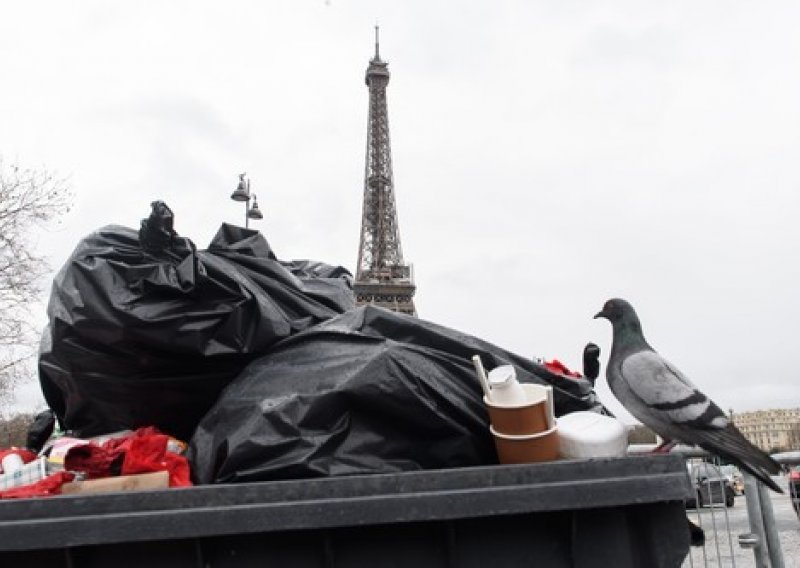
(585, 434)
(502, 375)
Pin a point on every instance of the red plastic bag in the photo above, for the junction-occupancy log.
(95, 461)
(147, 452)
(143, 451)
(556, 366)
(50, 485)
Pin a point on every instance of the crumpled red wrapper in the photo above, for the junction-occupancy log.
(50, 485)
(142, 451)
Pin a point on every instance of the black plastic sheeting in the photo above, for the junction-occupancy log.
(40, 430)
(368, 391)
(146, 330)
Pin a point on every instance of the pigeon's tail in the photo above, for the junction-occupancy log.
(731, 444)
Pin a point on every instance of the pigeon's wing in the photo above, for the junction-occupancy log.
(669, 394)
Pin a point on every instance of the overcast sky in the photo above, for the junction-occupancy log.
(547, 155)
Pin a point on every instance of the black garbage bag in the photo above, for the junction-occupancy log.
(304, 292)
(146, 330)
(40, 430)
(366, 392)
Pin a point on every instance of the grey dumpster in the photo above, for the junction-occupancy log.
(621, 512)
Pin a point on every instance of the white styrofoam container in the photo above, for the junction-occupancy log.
(586, 434)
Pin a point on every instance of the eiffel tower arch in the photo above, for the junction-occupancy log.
(382, 277)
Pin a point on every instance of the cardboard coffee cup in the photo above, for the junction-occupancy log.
(519, 420)
(528, 448)
(529, 417)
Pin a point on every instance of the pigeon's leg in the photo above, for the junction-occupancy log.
(664, 447)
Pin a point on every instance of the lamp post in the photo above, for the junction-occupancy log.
(242, 193)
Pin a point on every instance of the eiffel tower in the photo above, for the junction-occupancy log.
(382, 278)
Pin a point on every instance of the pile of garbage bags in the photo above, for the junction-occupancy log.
(145, 330)
(265, 366)
(368, 391)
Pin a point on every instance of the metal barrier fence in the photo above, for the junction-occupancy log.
(721, 545)
(726, 541)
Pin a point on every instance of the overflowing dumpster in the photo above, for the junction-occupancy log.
(621, 512)
(222, 407)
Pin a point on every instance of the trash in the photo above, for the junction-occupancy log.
(144, 451)
(138, 482)
(39, 484)
(11, 462)
(521, 416)
(482, 378)
(591, 362)
(149, 451)
(91, 459)
(131, 458)
(556, 366)
(146, 330)
(40, 430)
(27, 474)
(504, 387)
(533, 414)
(368, 391)
(14, 458)
(57, 449)
(526, 448)
(591, 435)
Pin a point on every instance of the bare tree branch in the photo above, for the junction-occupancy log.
(29, 199)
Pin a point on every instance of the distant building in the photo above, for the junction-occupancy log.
(776, 430)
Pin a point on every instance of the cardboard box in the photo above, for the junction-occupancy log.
(139, 482)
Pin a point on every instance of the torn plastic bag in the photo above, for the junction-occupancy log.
(40, 430)
(368, 391)
(146, 330)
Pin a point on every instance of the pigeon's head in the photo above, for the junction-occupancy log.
(628, 335)
(616, 310)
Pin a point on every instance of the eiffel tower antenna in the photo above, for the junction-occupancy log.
(382, 277)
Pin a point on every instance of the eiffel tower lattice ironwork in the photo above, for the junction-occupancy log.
(382, 277)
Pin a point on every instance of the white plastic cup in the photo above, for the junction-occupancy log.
(505, 389)
(12, 463)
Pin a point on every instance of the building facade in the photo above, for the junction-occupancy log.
(776, 430)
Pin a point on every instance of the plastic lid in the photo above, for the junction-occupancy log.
(502, 375)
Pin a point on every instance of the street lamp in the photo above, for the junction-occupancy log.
(242, 193)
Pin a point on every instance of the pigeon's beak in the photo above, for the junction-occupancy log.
(600, 314)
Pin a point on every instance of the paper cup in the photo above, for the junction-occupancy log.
(530, 417)
(530, 448)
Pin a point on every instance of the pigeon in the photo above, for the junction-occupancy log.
(591, 362)
(655, 392)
